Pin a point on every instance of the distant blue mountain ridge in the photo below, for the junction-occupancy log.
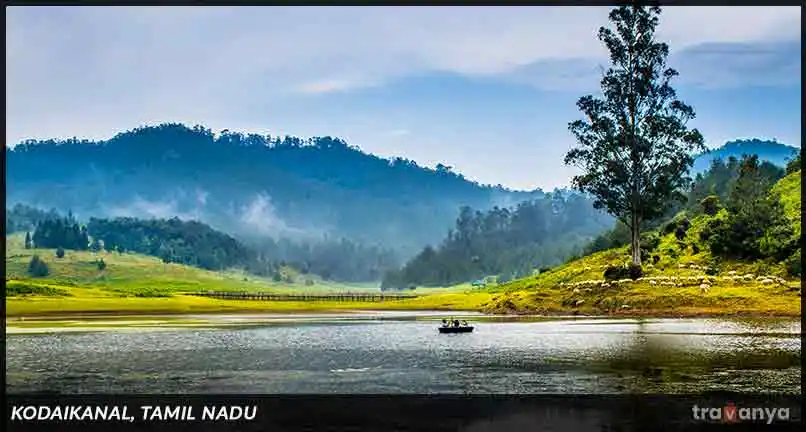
(771, 151)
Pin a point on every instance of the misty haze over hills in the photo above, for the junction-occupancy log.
(770, 151)
(249, 185)
(260, 186)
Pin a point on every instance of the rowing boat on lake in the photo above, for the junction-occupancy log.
(460, 329)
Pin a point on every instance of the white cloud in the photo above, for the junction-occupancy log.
(104, 69)
(399, 133)
(153, 209)
(328, 86)
(721, 65)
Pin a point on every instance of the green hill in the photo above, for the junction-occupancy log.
(682, 278)
(252, 186)
(135, 283)
(788, 190)
(770, 151)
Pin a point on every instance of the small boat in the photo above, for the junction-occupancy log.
(460, 329)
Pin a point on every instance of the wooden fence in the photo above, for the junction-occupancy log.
(340, 297)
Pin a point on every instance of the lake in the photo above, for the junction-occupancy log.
(403, 353)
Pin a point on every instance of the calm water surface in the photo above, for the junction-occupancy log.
(398, 354)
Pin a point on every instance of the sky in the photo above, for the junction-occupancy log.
(488, 91)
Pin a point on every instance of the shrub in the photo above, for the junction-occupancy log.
(680, 232)
(614, 272)
(695, 249)
(152, 293)
(795, 163)
(101, 265)
(37, 267)
(710, 205)
(623, 272)
(635, 271)
(778, 242)
(649, 241)
(669, 227)
(19, 288)
(655, 259)
(793, 264)
(277, 277)
(60, 252)
(685, 223)
(760, 232)
(675, 224)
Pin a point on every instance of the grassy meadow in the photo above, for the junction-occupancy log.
(137, 284)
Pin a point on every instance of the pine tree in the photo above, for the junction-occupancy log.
(37, 267)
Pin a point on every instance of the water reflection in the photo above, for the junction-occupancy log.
(407, 355)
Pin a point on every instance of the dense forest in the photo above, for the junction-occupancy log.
(59, 232)
(173, 240)
(717, 181)
(341, 259)
(511, 243)
(508, 242)
(248, 185)
(753, 224)
(197, 244)
(25, 218)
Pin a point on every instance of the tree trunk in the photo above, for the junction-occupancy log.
(636, 241)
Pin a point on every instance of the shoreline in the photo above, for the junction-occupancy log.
(570, 313)
(75, 322)
(492, 304)
(727, 313)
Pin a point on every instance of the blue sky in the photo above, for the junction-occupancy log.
(487, 90)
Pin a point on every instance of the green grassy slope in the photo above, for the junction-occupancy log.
(676, 285)
(788, 189)
(145, 276)
(133, 283)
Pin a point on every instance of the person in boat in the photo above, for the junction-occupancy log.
(456, 323)
(444, 322)
(464, 323)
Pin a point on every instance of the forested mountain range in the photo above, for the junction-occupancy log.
(770, 151)
(250, 185)
(319, 203)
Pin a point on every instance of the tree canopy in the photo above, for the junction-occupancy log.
(504, 242)
(635, 148)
